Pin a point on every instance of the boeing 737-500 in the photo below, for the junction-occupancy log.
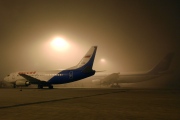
(47, 78)
(115, 78)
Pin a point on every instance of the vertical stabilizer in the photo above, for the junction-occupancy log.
(87, 61)
(163, 65)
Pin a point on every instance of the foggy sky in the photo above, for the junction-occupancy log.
(131, 35)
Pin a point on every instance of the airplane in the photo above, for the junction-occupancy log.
(115, 78)
(47, 78)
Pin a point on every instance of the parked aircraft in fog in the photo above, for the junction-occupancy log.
(46, 78)
(115, 78)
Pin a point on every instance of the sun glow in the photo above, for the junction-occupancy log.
(103, 60)
(59, 44)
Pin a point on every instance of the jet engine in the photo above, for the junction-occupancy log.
(22, 83)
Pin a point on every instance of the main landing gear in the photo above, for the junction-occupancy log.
(115, 85)
(40, 86)
(50, 87)
(14, 85)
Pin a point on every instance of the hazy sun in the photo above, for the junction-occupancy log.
(103, 60)
(59, 44)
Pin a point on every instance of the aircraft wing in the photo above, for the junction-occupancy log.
(106, 79)
(31, 79)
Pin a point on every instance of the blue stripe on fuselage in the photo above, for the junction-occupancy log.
(66, 76)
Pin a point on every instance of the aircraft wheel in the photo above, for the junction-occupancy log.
(14, 85)
(50, 87)
(115, 86)
(40, 86)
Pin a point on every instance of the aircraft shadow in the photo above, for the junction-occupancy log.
(57, 100)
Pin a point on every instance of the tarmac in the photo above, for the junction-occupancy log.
(89, 104)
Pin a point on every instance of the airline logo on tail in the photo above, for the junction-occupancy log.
(88, 59)
(88, 56)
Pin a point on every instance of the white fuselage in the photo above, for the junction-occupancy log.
(41, 75)
(129, 78)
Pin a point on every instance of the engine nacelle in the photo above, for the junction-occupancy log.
(22, 83)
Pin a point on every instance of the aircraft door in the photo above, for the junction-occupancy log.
(71, 75)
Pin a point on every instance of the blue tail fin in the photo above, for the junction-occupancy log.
(87, 61)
